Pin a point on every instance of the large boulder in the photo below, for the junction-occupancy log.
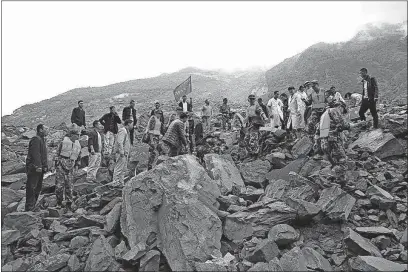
(283, 234)
(359, 245)
(383, 145)
(175, 205)
(295, 187)
(24, 222)
(12, 167)
(254, 172)
(9, 180)
(315, 261)
(370, 263)
(335, 203)
(302, 147)
(257, 220)
(283, 173)
(101, 257)
(293, 260)
(395, 123)
(222, 169)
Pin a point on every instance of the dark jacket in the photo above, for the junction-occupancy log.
(127, 111)
(372, 87)
(37, 154)
(189, 106)
(107, 120)
(161, 115)
(93, 141)
(78, 117)
(265, 110)
(176, 134)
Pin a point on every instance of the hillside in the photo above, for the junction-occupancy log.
(381, 49)
(206, 84)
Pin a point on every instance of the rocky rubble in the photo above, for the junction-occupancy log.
(220, 211)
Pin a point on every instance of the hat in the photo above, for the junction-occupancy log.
(251, 96)
(156, 102)
(307, 82)
(315, 81)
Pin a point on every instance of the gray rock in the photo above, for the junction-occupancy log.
(110, 205)
(273, 265)
(9, 196)
(9, 180)
(222, 169)
(74, 264)
(403, 239)
(370, 263)
(84, 188)
(315, 261)
(335, 203)
(12, 167)
(113, 218)
(257, 220)
(9, 236)
(251, 193)
(297, 187)
(338, 259)
(56, 226)
(404, 256)
(56, 262)
(264, 251)
(382, 242)
(305, 210)
(254, 172)
(302, 147)
(360, 245)
(283, 234)
(90, 221)
(23, 222)
(383, 145)
(20, 264)
(150, 261)
(374, 231)
(71, 234)
(176, 203)
(395, 123)
(29, 134)
(101, 257)
(293, 260)
(120, 250)
(78, 242)
(283, 173)
(209, 266)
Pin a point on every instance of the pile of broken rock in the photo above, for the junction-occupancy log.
(281, 212)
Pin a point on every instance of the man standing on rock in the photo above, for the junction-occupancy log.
(370, 96)
(122, 150)
(175, 138)
(317, 99)
(156, 108)
(129, 113)
(186, 106)
(255, 118)
(263, 106)
(78, 115)
(94, 147)
(36, 166)
(155, 129)
(207, 114)
(110, 123)
(276, 111)
(225, 111)
(295, 116)
(331, 126)
(67, 161)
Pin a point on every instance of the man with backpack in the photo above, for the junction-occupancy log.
(370, 96)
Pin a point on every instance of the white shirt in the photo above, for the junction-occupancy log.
(99, 141)
(185, 106)
(365, 89)
(276, 106)
(356, 99)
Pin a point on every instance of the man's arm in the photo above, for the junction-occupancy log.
(34, 150)
(117, 119)
(121, 139)
(123, 114)
(83, 120)
(102, 120)
(73, 116)
(91, 142)
(375, 86)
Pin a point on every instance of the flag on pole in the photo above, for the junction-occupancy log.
(182, 89)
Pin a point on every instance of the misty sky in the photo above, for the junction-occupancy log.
(52, 47)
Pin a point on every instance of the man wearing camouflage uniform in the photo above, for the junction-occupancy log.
(332, 145)
(255, 118)
(67, 161)
(225, 111)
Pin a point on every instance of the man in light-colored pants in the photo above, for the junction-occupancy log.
(94, 148)
(120, 169)
(94, 163)
(108, 141)
(122, 150)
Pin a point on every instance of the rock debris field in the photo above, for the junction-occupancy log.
(219, 212)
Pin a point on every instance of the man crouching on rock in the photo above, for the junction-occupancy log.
(36, 166)
(175, 138)
(67, 161)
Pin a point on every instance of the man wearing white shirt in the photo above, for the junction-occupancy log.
(275, 106)
(94, 148)
(187, 107)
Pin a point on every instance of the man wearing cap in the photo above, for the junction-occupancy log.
(186, 106)
(78, 115)
(36, 166)
(225, 111)
(155, 130)
(207, 113)
(110, 123)
(276, 111)
(370, 96)
(317, 99)
(255, 118)
(157, 107)
(129, 113)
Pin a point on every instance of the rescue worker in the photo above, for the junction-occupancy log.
(263, 106)
(276, 111)
(94, 148)
(155, 130)
(206, 113)
(225, 111)
(317, 99)
(331, 126)
(355, 99)
(110, 123)
(122, 150)
(175, 138)
(312, 128)
(78, 115)
(294, 122)
(370, 97)
(302, 96)
(284, 99)
(36, 166)
(333, 95)
(157, 107)
(255, 118)
(129, 113)
(186, 106)
(308, 91)
(67, 162)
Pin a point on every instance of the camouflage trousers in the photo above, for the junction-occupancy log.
(226, 121)
(252, 141)
(64, 180)
(153, 150)
(336, 154)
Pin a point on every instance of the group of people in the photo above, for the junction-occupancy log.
(309, 110)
